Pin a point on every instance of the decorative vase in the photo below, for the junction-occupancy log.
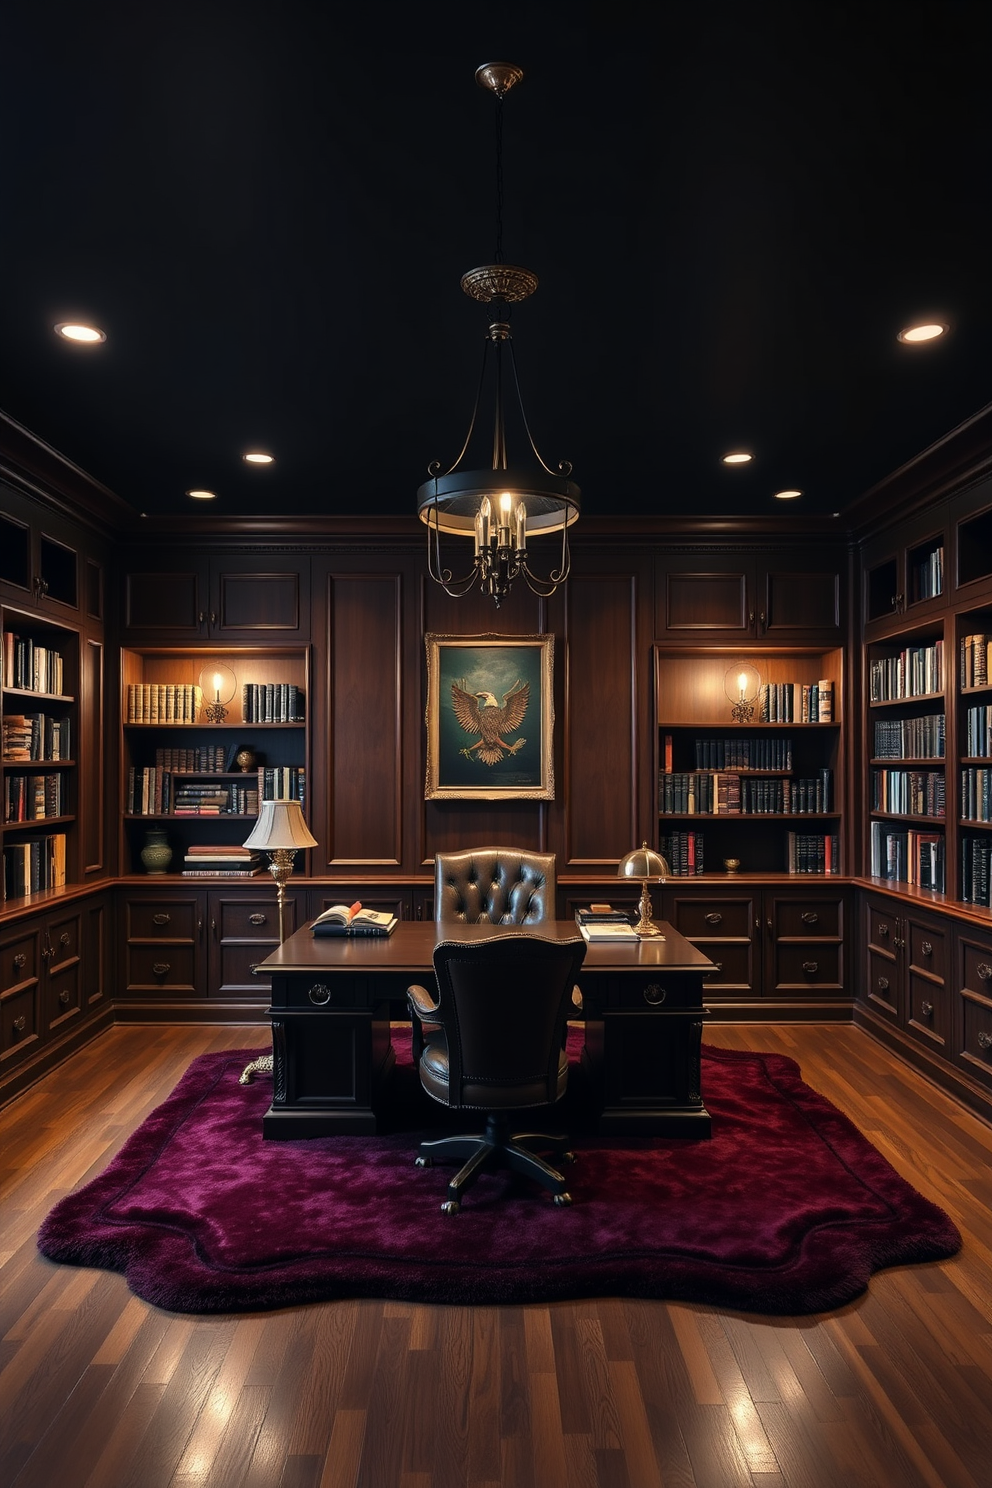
(246, 759)
(731, 864)
(156, 853)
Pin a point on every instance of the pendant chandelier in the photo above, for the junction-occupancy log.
(499, 509)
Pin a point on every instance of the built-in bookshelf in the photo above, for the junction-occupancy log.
(750, 760)
(197, 760)
(40, 675)
(974, 757)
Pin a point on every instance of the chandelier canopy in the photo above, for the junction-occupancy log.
(499, 508)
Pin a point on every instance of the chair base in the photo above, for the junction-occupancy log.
(498, 1147)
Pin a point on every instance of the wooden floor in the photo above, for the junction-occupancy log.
(101, 1390)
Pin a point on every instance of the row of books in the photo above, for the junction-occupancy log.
(153, 791)
(729, 793)
(777, 702)
(683, 852)
(976, 794)
(910, 856)
(35, 736)
(915, 672)
(975, 656)
(926, 576)
(273, 702)
(31, 867)
(908, 792)
(978, 732)
(218, 860)
(30, 666)
(743, 754)
(208, 760)
(163, 702)
(910, 738)
(812, 852)
(33, 797)
(976, 877)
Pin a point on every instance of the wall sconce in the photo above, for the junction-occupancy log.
(644, 863)
(741, 684)
(218, 685)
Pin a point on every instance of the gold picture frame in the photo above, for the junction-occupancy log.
(490, 718)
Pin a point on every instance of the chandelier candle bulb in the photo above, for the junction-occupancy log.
(521, 527)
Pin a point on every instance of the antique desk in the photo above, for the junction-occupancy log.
(643, 1013)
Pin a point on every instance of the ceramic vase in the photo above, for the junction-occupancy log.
(156, 853)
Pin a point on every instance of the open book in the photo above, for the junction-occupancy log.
(345, 919)
(608, 930)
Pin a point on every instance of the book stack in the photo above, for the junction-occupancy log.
(282, 783)
(209, 760)
(163, 702)
(217, 860)
(194, 798)
(684, 852)
(32, 797)
(807, 852)
(30, 667)
(29, 867)
(273, 702)
(975, 653)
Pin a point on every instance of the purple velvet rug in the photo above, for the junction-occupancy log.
(787, 1209)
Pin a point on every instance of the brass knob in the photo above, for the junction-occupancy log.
(883, 932)
(883, 984)
(319, 994)
(64, 939)
(713, 918)
(984, 1040)
(654, 995)
(256, 919)
(20, 1024)
(926, 948)
(64, 997)
(811, 967)
(984, 970)
(160, 968)
(161, 919)
(810, 917)
(926, 1008)
(20, 960)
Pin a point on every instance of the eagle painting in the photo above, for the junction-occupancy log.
(479, 713)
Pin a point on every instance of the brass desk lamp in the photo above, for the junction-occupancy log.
(644, 863)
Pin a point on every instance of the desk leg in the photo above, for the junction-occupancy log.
(645, 1068)
(327, 1070)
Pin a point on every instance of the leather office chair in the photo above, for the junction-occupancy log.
(493, 1042)
(494, 885)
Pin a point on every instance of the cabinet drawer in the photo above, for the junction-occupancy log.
(883, 930)
(802, 919)
(63, 942)
(18, 1022)
(330, 992)
(977, 970)
(236, 978)
(655, 991)
(734, 966)
(250, 919)
(19, 961)
(160, 968)
(62, 995)
(883, 988)
(928, 951)
(815, 966)
(927, 1014)
(976, 1044)
(162, 919)
(714, 919)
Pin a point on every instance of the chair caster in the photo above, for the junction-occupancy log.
(423, 1162)
(569, 1157)
(450, 1206)
(562, 1200)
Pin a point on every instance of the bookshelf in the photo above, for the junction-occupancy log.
(195, 762)
(38, 770)
(764, 793)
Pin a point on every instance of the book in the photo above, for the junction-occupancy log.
(344, 919)
(605, 916)
(609, 931)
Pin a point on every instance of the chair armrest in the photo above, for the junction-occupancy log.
(420, 1001)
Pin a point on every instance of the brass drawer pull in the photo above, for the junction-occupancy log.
(64, 997)
(883, 984)
(883, 932)
(811, 967)
(320, 995)
(984, 970)
(161, 919)
(926, 1008)
(20, 1024)
(64, 939)
(810, 917)
(161, 968)
(257, 919)
(654, 995)
(20, 960)
(984, 1040)
(926, 948)
(713, 918)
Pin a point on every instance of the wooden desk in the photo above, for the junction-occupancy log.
(643, 1012)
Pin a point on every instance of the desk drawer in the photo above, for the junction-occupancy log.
(161, 968)
(323, 992)
(657, 991)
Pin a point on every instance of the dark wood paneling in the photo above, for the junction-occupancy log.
(599, 721)
(802, 600)
(163, 603)
(260, 601)
(363, 760)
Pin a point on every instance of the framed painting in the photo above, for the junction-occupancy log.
(490, 718)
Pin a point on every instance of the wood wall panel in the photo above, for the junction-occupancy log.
(599, 720)
(362, 763)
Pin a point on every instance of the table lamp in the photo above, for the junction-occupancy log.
(281, 832)
(644, 863)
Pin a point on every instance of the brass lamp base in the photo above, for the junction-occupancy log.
(281, 868)
(644, 925)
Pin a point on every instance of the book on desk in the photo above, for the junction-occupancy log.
(352, 919)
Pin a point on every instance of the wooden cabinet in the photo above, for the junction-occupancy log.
(972, 1036)
(908, 959)
(225, 598)
(749, 597)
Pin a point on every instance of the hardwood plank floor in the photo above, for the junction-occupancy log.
(101, 1390)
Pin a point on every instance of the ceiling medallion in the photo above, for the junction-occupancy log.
(501, 507)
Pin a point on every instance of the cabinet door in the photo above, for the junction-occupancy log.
(973, 1014)
(704, 597)
(163, 945)
(21, 964)
(39, 557)
(807, 943)
(244, 929)
(62, 984)
(722, 925)
(257, 597)
(166, 603)
(883, 972)
(800, 602)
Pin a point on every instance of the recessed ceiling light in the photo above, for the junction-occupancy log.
(203, 495)
(83, 334)
(258, 458)
(787, 495)
(738, 457)
(928, 332)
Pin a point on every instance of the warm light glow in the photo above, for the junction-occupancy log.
(202, 495)
(87, 335)
(505, 503)
(218, 683)
(742, 683)
(929, 332)
(739, 457)
(787, 495)
(258, 458)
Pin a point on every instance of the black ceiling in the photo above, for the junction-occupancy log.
(732, 209)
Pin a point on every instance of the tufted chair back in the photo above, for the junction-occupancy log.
(494, 886)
